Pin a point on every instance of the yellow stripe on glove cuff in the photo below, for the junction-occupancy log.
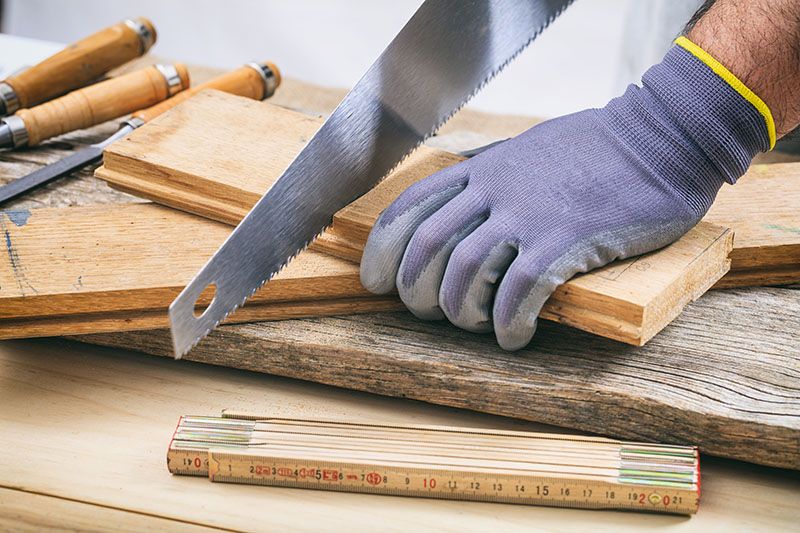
(737, 84)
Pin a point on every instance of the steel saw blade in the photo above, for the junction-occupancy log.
(439, 60)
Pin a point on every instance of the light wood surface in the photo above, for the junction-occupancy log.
(79, 64)
(724, 376)
(223, 174)
(98, 103)
(92, 269)
(92, 425)
(202, 159)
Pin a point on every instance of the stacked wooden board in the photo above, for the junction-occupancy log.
(91, 269)
(629, 300)
(223, 184)
(182, 161)
(764, 209)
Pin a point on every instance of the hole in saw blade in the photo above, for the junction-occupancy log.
(208, 295)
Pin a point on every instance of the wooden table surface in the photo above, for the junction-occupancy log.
(84, 430)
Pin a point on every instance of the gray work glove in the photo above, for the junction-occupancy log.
(484, 243)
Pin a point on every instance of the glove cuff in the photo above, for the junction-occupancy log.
(693, 124)
(715, 109)
(735, 83)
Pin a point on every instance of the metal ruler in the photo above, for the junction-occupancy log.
(440, 462)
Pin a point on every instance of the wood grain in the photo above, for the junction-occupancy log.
(195, 155)
(629, 300)
(23, 511)
(724, 376)
(92, 269)
(79, 64)
(98, 103)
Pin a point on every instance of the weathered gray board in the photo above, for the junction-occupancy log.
(725, 375)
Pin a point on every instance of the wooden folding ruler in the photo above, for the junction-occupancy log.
(439, 462)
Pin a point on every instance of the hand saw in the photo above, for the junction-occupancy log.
(439, 60)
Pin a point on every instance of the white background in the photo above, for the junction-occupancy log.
(586, 57)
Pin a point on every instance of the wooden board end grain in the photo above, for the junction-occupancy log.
(221, 174)
(92, 269)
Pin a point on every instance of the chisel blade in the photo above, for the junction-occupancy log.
(439, 60)
(86, 156)
(46, 174)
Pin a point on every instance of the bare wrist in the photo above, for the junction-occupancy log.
(759, 42)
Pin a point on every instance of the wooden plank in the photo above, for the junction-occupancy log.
(764, 209)
(93, 425)
(724, 376)
(628, 301)
(92, 269)
(761, 208)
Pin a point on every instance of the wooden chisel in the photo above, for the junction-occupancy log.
(254, 80)
(93, 105)
(77, 65)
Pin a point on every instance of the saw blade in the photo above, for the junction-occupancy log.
(439, 60)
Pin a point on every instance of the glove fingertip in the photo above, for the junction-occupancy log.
(516, 338)
(378, 265)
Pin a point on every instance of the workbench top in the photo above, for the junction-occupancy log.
(85, 429)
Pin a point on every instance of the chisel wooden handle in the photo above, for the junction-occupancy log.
(103, 101)
(256, 81)
(77, 65)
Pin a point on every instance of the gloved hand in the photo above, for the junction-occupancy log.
(485, 242)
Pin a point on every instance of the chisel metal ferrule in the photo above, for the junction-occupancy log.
(147, 36)
(92, 105)
(9, 103)
(132, 124)
(174, 81)
(269, 77)
(13, 132)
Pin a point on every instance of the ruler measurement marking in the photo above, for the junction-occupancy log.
(439, 462)
(446, 484)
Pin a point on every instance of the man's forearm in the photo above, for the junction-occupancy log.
(759, 41)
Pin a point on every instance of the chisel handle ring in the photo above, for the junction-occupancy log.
(254, 80)
(145, 30)
(77, 65)
(270, 75)
(103, 101)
